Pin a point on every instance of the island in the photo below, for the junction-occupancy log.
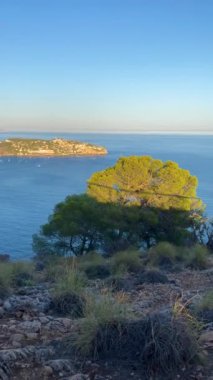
(49, 148)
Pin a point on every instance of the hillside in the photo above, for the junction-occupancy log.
(55, 147)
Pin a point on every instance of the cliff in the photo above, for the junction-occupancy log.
(56, 147)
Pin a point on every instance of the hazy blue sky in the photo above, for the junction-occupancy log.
(106, 64)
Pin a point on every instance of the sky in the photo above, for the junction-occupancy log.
(106, 65)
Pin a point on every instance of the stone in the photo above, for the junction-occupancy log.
(7, 305)
(31, 336)
(206, 337)
(17, 337)
(60, 366)
(48, 371)
(78, 376)
(31, 326)
(16, 344)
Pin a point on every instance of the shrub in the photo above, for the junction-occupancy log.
(117, 283)
(22, 273)
(67, 297)
(5, 279)
(69, 303)
(153, 276)
(94, 265)
(97, 271)
(99, 314)
(163, 254)
(196, 257)
(159, 344)
(126, 261)
(207, 301)
(204, 309)
(72, 280)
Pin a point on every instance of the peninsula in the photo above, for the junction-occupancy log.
(48, 148)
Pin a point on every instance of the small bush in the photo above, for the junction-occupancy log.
(22, 273)
(71, 280)
(159, 344)
(68, 304)
(67, 297)
(97, 271)
(5, 279)
(207, 301)
(153, 276)
(117, 283)
(126, 261)
(99, 314)
(54, 268)
(163, 254)
(204, 309)
(196, 257)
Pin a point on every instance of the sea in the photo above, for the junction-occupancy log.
(31, 187)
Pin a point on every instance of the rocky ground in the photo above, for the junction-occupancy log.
(31, 337)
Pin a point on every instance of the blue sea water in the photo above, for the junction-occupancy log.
(30, 187)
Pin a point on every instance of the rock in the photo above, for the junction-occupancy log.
(7, 305)
(16, 344)
(17, 337)
(78, 376)
(31, 326)
(4, 371)
(207, 338)
(31, 336)
(44, 320)
(60, 366)
(48, 371)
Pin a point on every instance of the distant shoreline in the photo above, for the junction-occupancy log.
(189, 133)
(31, 147)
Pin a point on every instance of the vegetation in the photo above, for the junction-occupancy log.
(101, 313)
(206, 304)
(5, 279)
(55, 147)
(158, 343)
(80, 225)
(126, 261)
(67, 297)
(165, 254)
(13, 274)
(146, 182)
(152, 276)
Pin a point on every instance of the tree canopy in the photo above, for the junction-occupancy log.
(145, 181)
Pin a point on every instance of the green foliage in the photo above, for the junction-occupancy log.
(126, 261)
(163, 254)
(152, 276)
(15, 274)
(195, 257)
(206, 304)
(110, 221)
(159, 344)
(73, 228)
(22, 273)
(71, 281)
(97, 271)
(5, 279)
(166, 254)
(141, 180)
(67, 296)
(100, 313)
